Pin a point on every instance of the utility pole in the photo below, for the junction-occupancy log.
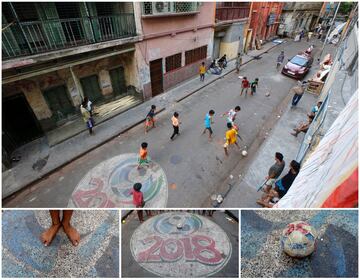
(328, 33)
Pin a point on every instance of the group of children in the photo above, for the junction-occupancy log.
(245, 85)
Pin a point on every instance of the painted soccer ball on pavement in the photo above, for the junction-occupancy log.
(298, 239)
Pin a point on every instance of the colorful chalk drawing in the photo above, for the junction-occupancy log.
(23, 254)
(109, 184)
(180, 244)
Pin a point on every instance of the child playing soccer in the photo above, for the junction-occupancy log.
(253, 86)
(230, 136)
(244, 86)
(143, 157)
(208, 122)
(138, 201)
(150, 120)
(175, 122)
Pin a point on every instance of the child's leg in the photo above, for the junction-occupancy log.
(70, 231)
(140, 215)
(48, 235)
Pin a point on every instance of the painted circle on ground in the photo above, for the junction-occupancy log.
(109, 184)
(180, 244)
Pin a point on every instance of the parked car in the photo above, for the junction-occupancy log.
(298, 66)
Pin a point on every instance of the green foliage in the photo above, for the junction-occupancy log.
(345, 7)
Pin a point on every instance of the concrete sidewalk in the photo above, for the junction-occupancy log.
(40, 160)
(24, 255)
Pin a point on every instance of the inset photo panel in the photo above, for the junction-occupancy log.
(299, 243)
(60, 243)
(174, 243)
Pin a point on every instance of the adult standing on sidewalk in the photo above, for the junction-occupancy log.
(86, 116)
(280, 60)
(238, 62)
(298, 92)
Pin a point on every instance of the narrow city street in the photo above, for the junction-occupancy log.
(194, 167)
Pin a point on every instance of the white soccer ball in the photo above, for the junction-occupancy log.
(267, 94)
(244, 153)
(298, 239)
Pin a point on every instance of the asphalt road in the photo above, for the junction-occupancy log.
(336, 253)
(195, 168)
(215, 227)
(24, 255)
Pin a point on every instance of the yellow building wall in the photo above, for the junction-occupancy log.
(230, 49)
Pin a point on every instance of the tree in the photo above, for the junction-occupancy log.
(345, 7)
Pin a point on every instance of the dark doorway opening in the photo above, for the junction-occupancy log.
(19, 123)
(156, 75)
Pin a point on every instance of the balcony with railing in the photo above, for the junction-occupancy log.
(232, 11)
(154, 9)
(35, 37)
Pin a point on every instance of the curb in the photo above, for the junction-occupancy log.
(39, 178)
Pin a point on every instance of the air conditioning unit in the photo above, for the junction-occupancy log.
(160, 7)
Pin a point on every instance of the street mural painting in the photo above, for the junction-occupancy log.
(24, 255)
(110, 183)
(180, 244)
(335, 253)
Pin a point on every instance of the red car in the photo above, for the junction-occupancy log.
(298, 66)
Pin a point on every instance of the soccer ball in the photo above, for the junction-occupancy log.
(244, 153)
(267, 94)
(298, 239)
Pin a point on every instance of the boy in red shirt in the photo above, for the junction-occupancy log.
(244, 86)
(138, 201)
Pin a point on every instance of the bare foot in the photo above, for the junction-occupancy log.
(72, 234)
(47, 236)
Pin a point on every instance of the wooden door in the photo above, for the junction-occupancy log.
(91, 88)
(156, 75)
(118, 83)
(59, 102)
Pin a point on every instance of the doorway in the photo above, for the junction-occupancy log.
(91, 88)
(59, 102)
(118, 83)
(156, 75)
(19, 123)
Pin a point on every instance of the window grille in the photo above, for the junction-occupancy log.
(195, 55)
(173, 62)
(155, 8)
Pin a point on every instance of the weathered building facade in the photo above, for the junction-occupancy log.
(176, 38)
(230, 20)
(55, 54)
(297, 16)
(264, 22)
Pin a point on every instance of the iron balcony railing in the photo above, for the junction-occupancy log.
(231, 13)
(28, 38)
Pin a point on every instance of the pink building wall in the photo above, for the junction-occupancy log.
(169, 35)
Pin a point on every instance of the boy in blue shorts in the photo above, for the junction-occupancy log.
(208, 121)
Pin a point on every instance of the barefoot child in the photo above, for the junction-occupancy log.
(230, 135)
(175, 122)
(244, 86)
(253, 86)
(150, 120)
(208, 122)
(48, 235)
(202, 71)
(138, 201)
(143, 157)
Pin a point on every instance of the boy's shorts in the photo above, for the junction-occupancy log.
(210, 130)
(143, 161)
(149, 121)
